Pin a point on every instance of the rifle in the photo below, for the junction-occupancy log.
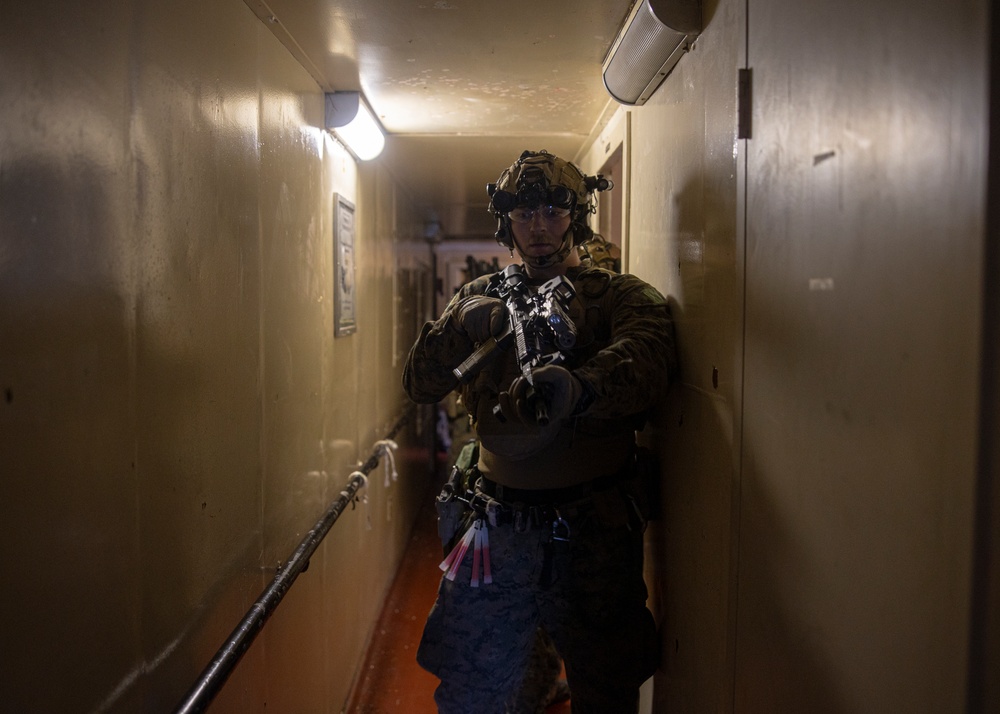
(538, 326)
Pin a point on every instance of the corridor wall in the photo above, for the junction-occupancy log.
(176, 412)
(822, 247)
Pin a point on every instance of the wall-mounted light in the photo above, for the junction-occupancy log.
(348, 116)
(653, 38)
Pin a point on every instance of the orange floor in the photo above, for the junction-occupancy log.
(391, 680)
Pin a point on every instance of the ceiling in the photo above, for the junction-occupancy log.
(461, 86)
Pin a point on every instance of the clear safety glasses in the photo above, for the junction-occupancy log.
(550, 214)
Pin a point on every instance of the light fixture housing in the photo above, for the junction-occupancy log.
(652, 40)
(349, 117)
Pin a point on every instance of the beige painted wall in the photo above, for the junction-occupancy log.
(866, 178)
(176, 412)
(819, 455)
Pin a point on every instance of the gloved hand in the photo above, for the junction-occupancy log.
(555, 387)
(481, 317)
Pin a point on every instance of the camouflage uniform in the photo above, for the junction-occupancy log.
(587, 591)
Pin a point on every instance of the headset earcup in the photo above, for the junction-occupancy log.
(503, 234)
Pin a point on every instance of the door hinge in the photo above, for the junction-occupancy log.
(744, 107)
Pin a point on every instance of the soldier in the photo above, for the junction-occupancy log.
(558, 513)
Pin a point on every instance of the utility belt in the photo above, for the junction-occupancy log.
(523, 517)
(528, 509)
(618, 499)
(550, 510)
(609, 498)
(470, 504)
(547, 496)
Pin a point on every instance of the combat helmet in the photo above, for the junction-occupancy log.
(539, 178)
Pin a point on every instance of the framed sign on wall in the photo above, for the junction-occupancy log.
(344, 321)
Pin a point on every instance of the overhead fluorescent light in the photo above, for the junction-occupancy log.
(350, 119)
(652, 39)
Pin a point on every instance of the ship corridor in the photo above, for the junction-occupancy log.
(206, 300)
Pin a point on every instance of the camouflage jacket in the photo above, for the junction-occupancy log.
(624, 355)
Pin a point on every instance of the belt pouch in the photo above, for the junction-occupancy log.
(450, 514)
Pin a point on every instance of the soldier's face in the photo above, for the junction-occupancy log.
(542, 233)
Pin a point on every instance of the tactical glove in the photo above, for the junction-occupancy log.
(556, 390)
(481, 317)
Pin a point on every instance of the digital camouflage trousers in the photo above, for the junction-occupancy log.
(588, 594)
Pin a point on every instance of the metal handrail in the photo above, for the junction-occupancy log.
(215, 675)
